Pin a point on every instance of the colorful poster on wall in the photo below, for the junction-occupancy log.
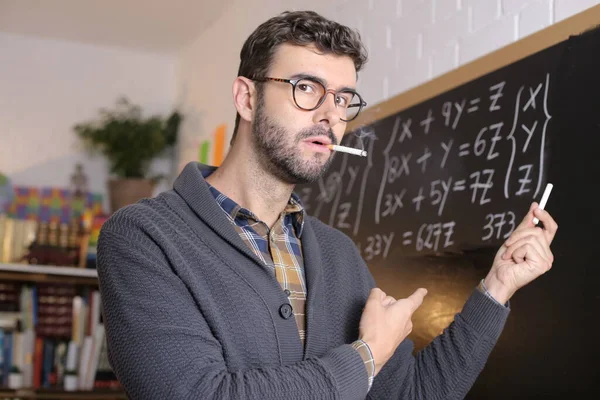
(51, 204)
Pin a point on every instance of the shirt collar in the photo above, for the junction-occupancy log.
(294, 207)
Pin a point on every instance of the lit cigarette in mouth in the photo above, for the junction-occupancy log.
(349, 150)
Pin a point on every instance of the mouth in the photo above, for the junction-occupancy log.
(318, 144)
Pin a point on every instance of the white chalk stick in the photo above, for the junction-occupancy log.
(544, 200)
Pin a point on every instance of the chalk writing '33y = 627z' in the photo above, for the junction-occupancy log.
(432, 236)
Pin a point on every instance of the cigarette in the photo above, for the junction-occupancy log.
(544, 200)
(348, 150)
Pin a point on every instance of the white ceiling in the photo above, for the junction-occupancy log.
(162, 26)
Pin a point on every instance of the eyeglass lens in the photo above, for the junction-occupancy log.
(308, 95)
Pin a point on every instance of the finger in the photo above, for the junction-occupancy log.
(529, 253)
(416, 299)
(501, 251)
(388, 300)
(537, 233)
(550, 225)
(527, 221)
(376, 294)
(542, 249)
(408, 328)
(521, 233)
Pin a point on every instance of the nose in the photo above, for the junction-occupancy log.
(329, 111)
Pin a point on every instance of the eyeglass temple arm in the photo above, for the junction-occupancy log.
(363, 104)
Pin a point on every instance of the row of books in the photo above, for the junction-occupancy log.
(15, 238)
(50, 243)
(50, 225)
(55, 334)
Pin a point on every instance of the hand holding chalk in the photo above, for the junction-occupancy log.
(543, 201)
(525, 255)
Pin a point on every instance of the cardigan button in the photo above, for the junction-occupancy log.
(285, 311)
(287, 292)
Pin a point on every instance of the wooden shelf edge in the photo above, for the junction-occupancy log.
(61, 394)
(50, 270)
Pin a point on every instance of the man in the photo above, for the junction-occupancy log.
(223, 288)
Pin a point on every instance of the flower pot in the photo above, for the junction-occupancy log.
(128, 191)
(15, 380)
(70, 383)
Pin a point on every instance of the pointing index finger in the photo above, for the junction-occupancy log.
(416, 299)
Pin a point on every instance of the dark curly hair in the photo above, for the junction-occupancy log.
(300, 28)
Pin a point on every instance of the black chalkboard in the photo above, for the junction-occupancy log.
(472, 157)
(448, 179)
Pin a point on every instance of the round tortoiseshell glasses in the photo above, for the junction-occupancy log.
(309, 94)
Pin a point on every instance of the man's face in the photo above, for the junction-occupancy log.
(284, 134)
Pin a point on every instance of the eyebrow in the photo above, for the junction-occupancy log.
(320, 80)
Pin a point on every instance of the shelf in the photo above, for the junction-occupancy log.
(48, 273)
(61, 394)
(50, 269)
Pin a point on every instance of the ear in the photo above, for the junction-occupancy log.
(244, 97)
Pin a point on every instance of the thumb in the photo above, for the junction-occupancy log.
(528, 219)
(416, 299)
(376, 295)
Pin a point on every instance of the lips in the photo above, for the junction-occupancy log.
(320, 140)
(316, 146)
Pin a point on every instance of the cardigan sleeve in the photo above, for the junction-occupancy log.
(448, 366)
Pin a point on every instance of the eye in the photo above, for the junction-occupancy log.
(306, 87)
(343, 99)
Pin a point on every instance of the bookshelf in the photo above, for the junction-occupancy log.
(39, 274)
(52, 335)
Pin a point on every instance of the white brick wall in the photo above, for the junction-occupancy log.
(444, 59)
(513, 6)
(409, 42)
(443, 9)
(534, 16)
(566, 8)
(483, 13)
(494, 35)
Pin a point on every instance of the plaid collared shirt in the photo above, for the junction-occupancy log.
(280, 249)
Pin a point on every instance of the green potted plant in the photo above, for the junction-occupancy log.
(130, 143)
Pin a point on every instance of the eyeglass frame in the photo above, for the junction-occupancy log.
(295, 81)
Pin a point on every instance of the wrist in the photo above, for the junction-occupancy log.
(377, 364)
(498, 290)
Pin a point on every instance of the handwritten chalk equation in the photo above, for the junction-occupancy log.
(468, 153)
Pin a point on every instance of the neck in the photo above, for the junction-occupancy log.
(242, 178)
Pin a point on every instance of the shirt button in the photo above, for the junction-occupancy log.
(285, 311)
(287, 292)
